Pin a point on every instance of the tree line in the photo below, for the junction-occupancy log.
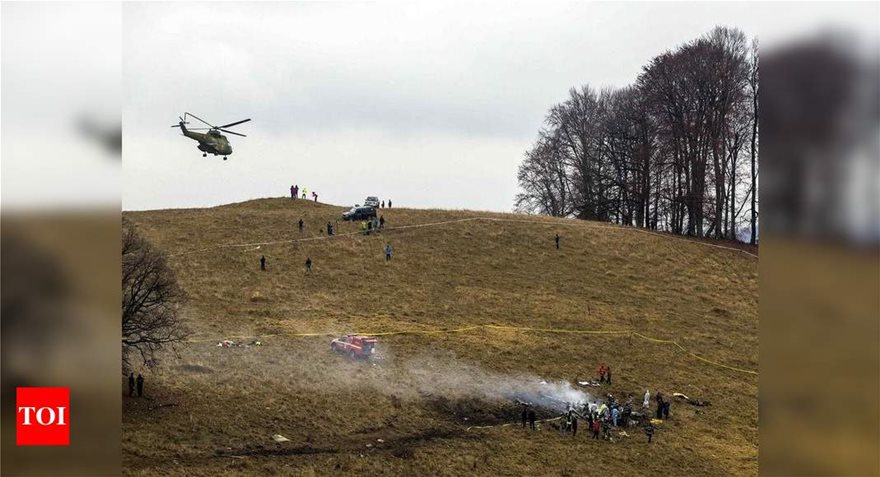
(675, 151)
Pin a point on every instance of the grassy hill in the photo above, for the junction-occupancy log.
(213, 409)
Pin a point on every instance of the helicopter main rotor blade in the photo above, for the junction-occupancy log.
(233, 124)
(232, 132)
(200, 119)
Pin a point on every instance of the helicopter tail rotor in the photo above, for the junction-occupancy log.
(181, 123)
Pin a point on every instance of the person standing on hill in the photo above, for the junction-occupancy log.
(661, 403)
(383, 204)
(308, 264)
(389, 203)
(329, 229)
(381, 222)
(525, 415)
(140, 385)
(574, 425)
(649, 431)
(131, 385)
(300, 225)
(608, 374)
(387, 252)
(263, 263)
(532, 418)
(315, 196)
(293, 192)
(557, 241)
(597, 426)
(647, 400)
(627, 413)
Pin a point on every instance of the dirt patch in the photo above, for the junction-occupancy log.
(400, 446)
(479, 412)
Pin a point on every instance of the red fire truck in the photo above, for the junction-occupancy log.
(355, 346)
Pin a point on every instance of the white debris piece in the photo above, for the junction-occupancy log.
(279, 438)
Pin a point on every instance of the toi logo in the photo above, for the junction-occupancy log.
(42, 416)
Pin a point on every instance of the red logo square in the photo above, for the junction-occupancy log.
(42, 416)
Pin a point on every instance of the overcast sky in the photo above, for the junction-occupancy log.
(428, 104)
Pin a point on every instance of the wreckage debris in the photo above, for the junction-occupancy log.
(693, 402)
(233, 344)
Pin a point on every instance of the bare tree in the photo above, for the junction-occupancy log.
(151, 300)
(753, 93)
(667, 153)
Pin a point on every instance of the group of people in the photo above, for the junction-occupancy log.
(608, 414)
(528, 415)
(603, 416)
(374, 224)
(294, 193)
(131, 385)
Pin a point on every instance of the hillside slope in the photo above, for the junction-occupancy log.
(214, 409)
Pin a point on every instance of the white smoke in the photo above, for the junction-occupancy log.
(452, 379)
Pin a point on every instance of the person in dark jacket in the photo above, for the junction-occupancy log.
(532, 418)
(381, 222)
(574, 426)
(666, 409)
(661, 403)
(300, 225)
(389, 203)
(263, 263)
(140, 385)
(557, 241)
(649, 431)
(308, 264)
(131, 385)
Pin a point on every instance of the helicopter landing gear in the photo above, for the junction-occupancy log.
(224, 158)
(204, 154)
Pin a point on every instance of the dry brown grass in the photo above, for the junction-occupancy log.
(230, 401)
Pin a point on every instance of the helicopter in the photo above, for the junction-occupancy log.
(212, 141)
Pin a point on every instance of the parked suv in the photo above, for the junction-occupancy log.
(359, 213)
(372, 202)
